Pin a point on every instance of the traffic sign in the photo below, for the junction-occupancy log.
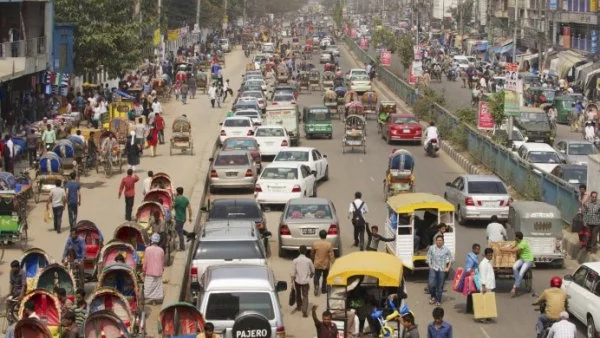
(553, 5)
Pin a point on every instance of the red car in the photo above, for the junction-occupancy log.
(402, 127)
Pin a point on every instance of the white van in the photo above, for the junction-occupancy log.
(462, 61)
(540, 155)
(286, 116)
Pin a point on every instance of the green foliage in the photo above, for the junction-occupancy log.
(423, 106)
(108, 33)
(338, 14)
(467, 115)
(458, 137)
(532, 189)
(385, 37)
(496, 106)
(405, 49)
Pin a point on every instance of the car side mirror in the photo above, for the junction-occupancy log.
(220, 123)
(281, 286)
(211, 159)
(568, 278)
(324, 156)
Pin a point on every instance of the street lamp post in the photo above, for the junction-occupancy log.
(514, 51)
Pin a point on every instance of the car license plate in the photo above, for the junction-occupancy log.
(269, 143)
(231, 174)
(406, 131)
(309, 231)
(276, 189)
(490, 204)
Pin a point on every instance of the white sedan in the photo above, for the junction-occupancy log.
(271, 139)
(236, 126)
(280, 182)
(253, 114)
(310, 157)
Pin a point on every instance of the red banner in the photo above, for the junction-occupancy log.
(386, 58)
(412, 79)
(485, 120)
(364, 43)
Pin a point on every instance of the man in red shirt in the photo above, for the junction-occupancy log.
(128, 185)
(159, 121)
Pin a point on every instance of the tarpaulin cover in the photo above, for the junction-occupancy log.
(50, 163)
(64, 149)
(110, 300)
(104, 324)
(503, 49)
(8, 181)
(55, 274)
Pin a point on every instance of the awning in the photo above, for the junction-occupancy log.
(565, 61)
(583, 74)
(503, 49)
(589, 85)
(580, 68)
(526, 57)
(480, 47)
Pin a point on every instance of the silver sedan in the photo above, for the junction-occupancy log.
(232, 169)
(302, 220)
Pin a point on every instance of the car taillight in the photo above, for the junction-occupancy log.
(296, 188)
(223, 133)
(257, 188)
(280, 332)
(250, 132)
(293, 102)
(469, 202)
(284, 230)
(213, 173)
(284, 143)
(502, 203)
(433, 141)
(249, 173)
(274, 103)
(194, 274)
(333, 230)
(419, 131)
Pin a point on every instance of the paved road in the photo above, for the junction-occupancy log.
(364, 172)
(458, 97)
(99, 195)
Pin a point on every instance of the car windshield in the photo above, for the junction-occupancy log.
(533, 117)
(255, 95)
(247, 105)
(231, 160)
(228, 305)
(575, 175)
(360, 77)
(309, 211)
(234, 144)
(279, 174)
(229, 250)
(582, 149)
(247, 113)
(486, 187)
(269, 132)
(284, 97)
(543, 157)
(234, 211)
(405, 120)
(237, 123)
(292, 156)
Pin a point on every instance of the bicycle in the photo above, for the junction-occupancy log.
(8, 313)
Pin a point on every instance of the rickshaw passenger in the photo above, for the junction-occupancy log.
(525, 261)
(75, 243)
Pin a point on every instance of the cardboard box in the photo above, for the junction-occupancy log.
(503, 259)
(484, 305)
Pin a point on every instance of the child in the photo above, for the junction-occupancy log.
(374, 238)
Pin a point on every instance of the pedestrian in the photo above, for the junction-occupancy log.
(192, 85)
(373, 238)
(410, 328)
(209, 331)
(180, 206)
(177, 89)
(584, 196)
(49, 137)
(227, 90)
(140, 132)
(495, 232)
(153, 267)
(184, 92)
(32, 146)
(65, 304)
(8, 152)
(591, 219)
(133, 150)
(322, 256)
(159, 122)
(73, 199)
(356, 212)
(212, 93)
(471, 264)
(80, 309)
(326, 328)
(152, 139)
(442, 229)
(525, 260)
(302, 272)
(219, 94)
(147, 184)
(439, 328)
(68, 326)
(487, 277)
(57, 198)
(439, 260)
(127, 188)
(156, 106)
(563, 328)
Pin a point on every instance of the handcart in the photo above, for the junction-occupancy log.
(355, 134)
(181, 137)
(503, 264)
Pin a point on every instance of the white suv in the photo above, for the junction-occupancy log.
(583, 288)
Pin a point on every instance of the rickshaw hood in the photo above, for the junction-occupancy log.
(407, 203)
(388, 269)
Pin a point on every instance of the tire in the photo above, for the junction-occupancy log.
(281, 253)
(23, 238)
(461, 220)
(171, 151)
(314, 192)
(590, 328)
(326, 176)
(388, 140)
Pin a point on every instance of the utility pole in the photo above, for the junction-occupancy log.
(460, 19)
(198, 6)
(224, 14)
(514, 51)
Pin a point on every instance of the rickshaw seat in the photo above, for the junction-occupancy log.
(91, 251)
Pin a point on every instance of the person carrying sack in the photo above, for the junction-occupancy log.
(357, 210)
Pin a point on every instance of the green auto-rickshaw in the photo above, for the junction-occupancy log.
(317, 122)
(565, 108)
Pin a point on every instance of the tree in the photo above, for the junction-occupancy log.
(405, 47)
(108, 34)
(496, 102)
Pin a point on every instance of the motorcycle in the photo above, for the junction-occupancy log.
(247, 52)
(549, 322)
(452, 75)
(432, 147)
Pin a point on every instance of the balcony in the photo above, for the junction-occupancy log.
(22, 57)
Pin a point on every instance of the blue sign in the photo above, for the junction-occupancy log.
(553, 5)
(594, 48)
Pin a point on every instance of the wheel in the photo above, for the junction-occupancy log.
(23, 237)
(314, 192)
(330, 136)
(37, 192)
(107, 169)
(460, 218)
(326, 176)
(528, 280)
(590, 328)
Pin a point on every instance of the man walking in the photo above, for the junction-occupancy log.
(212, 94)
(140, 133)
(181, 205)
(303, 271)
(356, 212)
(439, 328)
(127, 188)
(73, 199)
(147, 183)
(439, 259)
(58, 199)
(322, 257)
(153, 267)
(159, 123)
(591, 219)
(471, 264)
(486, 273)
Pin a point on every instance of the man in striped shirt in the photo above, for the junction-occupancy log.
(564, 328)
(439, 259)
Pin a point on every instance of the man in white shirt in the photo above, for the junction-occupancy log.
(156, 106)
(430, 133)
(148, 182)
(486, 273)
(563, 329)
(495, 231)
(356, 212)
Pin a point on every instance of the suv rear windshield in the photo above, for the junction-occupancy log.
(490, 187)
(230, 250)
(237, 123)
(269, 132)
(227, 306)
(234, 211)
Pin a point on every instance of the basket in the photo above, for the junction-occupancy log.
(503, 259)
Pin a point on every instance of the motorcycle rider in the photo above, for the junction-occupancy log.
(590, 131)
(556, 302)
(430, 133)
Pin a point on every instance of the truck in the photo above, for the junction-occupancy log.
(287, 116)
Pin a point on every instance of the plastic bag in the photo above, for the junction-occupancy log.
(457, 284)
(48, 216)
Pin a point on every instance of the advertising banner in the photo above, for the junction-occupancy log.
(386, 58)
(364, 43)
(173, 35)
(511, 103)
(485, 119)
(156, 37)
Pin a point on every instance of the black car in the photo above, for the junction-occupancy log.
(574, 174)
(239, 209)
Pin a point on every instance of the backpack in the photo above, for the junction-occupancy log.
(357, 216)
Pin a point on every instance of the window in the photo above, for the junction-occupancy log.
(305, 171)
(579, 275)
(315, 155)
(227, 160)
(292, 156)
(590, 280)
(228, 250)
(490, 187)
(234, 211)
(309, 211)
(405, 120)
(237, 123)
(233, 144)
(543, 157)
(279, 174)
(269, 132)
(581, 149)
(227, 306)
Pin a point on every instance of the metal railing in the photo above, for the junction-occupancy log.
(23, 48)
(521, 175)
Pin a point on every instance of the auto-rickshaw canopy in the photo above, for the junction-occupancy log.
(408, 203)
(386, 268)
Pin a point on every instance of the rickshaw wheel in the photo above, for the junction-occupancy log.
(528, 279)
(37, 192)
(107, 169)
(23, 237)
(191, 148)
(171, 150)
